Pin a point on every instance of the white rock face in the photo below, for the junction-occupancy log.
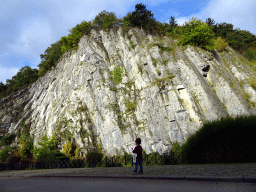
(81, 92)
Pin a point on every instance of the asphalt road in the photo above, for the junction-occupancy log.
(63, 184)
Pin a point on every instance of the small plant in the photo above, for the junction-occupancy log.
(83, 133)
(165, 62)
(140, 69)
(151, 45)
(252, 83)
(133, 46)
(130, 107)
(117, 75)
(129, 84)
(158, 72)
(161, 47)
(154, 61)
(247, 97)
(210, 83)
(80, 109)
(159, 81)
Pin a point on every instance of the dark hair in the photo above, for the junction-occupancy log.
(138, 141)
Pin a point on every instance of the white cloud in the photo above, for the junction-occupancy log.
(7, 73)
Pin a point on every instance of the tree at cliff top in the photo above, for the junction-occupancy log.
(3, 87)
(197, 33)
(141, 18)
(241, 40)
(50, 57)
(25, 76)
(71, 42)
(106, 20)
(56, 50)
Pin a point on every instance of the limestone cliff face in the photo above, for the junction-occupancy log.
(162, 96)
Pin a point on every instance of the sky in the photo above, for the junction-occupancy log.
(29, 27)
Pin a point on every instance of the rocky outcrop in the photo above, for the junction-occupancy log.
(112, 90)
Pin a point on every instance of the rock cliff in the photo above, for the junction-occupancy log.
(117, 87)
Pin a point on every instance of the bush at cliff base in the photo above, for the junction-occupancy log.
(7, 140)
(4, 153)
(12, 162)
(222, 141)
(93, 158)
(197, 33)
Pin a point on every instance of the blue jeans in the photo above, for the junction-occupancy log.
(138, 162)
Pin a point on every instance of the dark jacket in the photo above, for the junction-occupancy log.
(138, 150)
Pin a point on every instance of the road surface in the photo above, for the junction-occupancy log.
(64, 184)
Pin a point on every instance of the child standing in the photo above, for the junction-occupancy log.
(138, 150)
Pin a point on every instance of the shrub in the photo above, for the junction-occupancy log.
(77, 152)
(220, 44)
(2, 166)
(7, 140)
(26, 142)
(4, 153)
(48, 151)
(250, 54)
(93, 158)
(217, 141)
(12, 161)
(27, 163)
(197, 33)
(236, 41)
(66, 149)
(176, 149)
(77, 163)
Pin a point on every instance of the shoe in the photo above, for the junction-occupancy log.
(135, 172)
(141, 172)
